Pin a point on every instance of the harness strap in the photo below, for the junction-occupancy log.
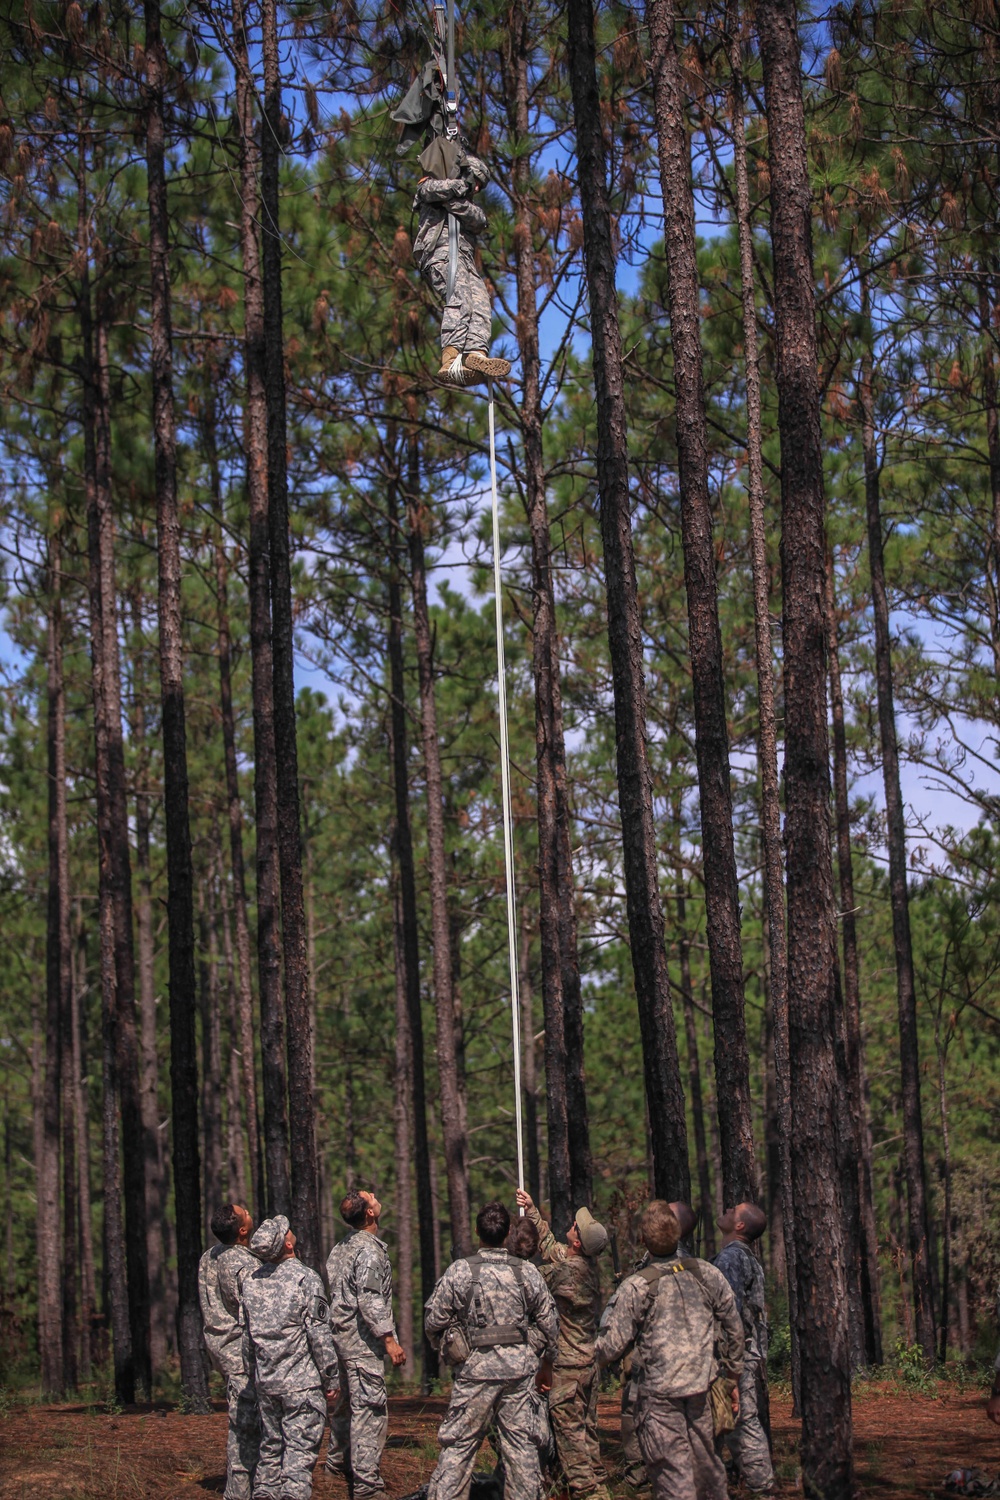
(492, 1335)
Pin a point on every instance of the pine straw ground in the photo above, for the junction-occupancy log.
(904, 1445)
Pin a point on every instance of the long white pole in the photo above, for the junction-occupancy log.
(508, 822)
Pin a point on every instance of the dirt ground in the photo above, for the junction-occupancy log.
(904, 1445)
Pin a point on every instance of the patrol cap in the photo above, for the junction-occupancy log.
(593, 1236)
(269, 1239)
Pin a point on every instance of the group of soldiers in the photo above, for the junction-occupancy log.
(520, 1323)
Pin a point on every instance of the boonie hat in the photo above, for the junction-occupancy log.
(269, 1240)
(593, 1236)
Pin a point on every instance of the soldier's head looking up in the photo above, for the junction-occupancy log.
(232, 1224)
(523, 1239)
(493, 1224)
(658, 1228)
(746, 1221)
(361, 1209)
(686, 1218)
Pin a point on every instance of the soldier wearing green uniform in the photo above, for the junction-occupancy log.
(572, 1275)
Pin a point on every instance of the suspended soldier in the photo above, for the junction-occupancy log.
(742, 1226)
(677, 1311)
(450, 222)
(218, 1275)
(289, 1354)
(491, 1316)
(360, 1280)
(572, 1276)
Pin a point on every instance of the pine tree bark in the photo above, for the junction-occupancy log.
(298, 1035)
(987, 293)
(272, 1021)
(909, 1053)
(453, 1125)
(857, 1092)
(569, 1159)
(88, 1284)
(664, 1094)
(409, 934)
(722, 904)
(767, 724)
(180, 880)
(529, 1077)
(812, 999)
(156, 1193)
(211, 1046)
(57, 981)
(243, 1037)
(402, 1117)
(114, 892)
(706, 1217)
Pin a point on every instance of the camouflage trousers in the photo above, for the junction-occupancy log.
(474, 1405)
(678, 1447)
(748, 1441)
(467, 321)
(633, 1468)
(243, 1439)
(358, 1427)
(292, 1427)
(573, 1415)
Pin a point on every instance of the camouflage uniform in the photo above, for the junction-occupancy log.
(633, 1470)
(748, 1441)
(575, 1283)
(289, 1353)
(467, 322)
(218, 1272)
(675, 1323)
(360, 1281)
(496, 1381)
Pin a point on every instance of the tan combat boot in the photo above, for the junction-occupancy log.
(485, 368)
(448, 358)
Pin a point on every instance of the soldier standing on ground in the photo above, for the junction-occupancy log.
(676, 1312)
(361, 1321)
(634, 1470)
(218, 1272)
(572, 1276)
(748, 1442)
(289, 1354)
(492, 1314)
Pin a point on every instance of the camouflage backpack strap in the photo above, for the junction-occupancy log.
(496, 1335)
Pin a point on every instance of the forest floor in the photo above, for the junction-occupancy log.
(904, 1445)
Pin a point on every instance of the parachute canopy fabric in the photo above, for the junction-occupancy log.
(422, 109)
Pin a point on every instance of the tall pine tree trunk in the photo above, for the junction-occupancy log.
(569, 1161)
(987, 293)
(529, 1077)
(767, 724)
(722, 904)
(211, 1045)
(156, 1194)
(272, 1022)
(57, 979)
(114, 956)
(664, 1095)
(812, 997)
(853, 1043)
(180, 881)
(301, 1107)
(243, 1037)
(909, 1053)
(409, 934)
(453, 1126)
